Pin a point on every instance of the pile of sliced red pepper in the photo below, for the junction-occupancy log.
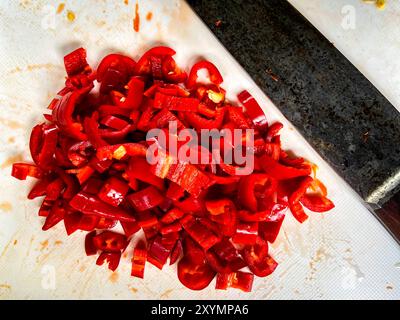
(89, 159)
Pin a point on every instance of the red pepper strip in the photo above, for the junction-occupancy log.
(253, 109)
(72, 222)
(140, 169)
(112, 258)
(22, 170)
(100, 165)
(162, 120)
(189, 178)
(292, 162)
(171, 228)
(113, 191)
(172, 90)
(238, 280)
(204, 237)
(110, 241)
(55, 215)
(247, 194)
(75, 62)
(151, 232)
(219, 206)
(79, 153)
(83, 174)
(118, 151)
(172, 215)
(171, 72)
(269, 230)
(92, 186)
(130, 228)
(156, 63)
(145, 199)
(63, 113)
(89, 204)
(316, 203)
(272, 150)
(134, 95)
(42, 144)
(91, 126)
(176, 252)
(273, 131)
(175, 103)
(246, 233)
(90, 249)
(175, 192)
(193, 251)
(114, 136)
(114, 122)
(185, 175)
(249, 216)
(195, 276)
(115, 61)
(225, 250)
(213, 73)
(199, 122)
(227, 221)
(139, 260)
(294, 200)
(147, 220)
(88, 222)
(281, 172)
(143, 66)
(190, 205)
(238, 118)
(258, 260)
(54, 189)
(45, 208)
(40, 188)
(158, 253)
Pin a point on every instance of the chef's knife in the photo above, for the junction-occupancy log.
(343, 116)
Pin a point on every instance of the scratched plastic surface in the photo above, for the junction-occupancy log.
(344, 254)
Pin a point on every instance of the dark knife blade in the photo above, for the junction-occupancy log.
(341, 114)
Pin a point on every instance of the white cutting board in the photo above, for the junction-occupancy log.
(344, 254)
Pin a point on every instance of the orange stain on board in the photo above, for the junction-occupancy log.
(114, 277)
(10, 160)
(136, 20)
(44, 244)
(5, 206)
(149, 15)
(70, 16)
(60, 8)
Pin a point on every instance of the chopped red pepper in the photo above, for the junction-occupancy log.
(238, 280)
(92, 158)
(281, 172)
(112, 259)
(139, 260)
(253, 109)
(89, 204)
(23, 170)
(175, 103)
(90, 248)
(110, 241)
(213, 73)
(146, 199)
(113, 191)
(316, 203)
(75, 62)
